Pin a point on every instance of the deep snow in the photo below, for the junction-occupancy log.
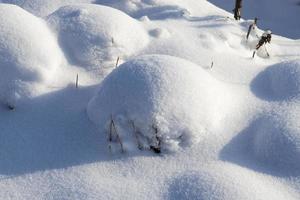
(91, 35)
(186, 66)
(180, 98)
(25, 62)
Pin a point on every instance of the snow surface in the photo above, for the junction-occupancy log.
(225, 181)
(178, 97)
(186, 66)
(42, 8)
(93, 34)
(282, 17)
(279, 82)
(25, 62)
(277, 140)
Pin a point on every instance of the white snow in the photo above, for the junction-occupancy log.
(185, 77)
(42, 8)
(174, 95)
(277, 140)
(24, 60)
(93, 34)
(226, 181)
(279, 82)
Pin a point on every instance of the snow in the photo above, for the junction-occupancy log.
(279, 16)
(277, 140)
(176, 96)
(279, 82)
(93, 34)
(185, 69)
(24, 62)
(221, 182)
(42, 8)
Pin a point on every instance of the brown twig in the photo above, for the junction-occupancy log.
(117, 135)
(117, 63)
(140, 146)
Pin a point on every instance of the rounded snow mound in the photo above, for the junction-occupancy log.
(166, 100)
(226, 182)
(43, 8)
(29, 52)
(278, 82)
(277, 140)
(91, 34)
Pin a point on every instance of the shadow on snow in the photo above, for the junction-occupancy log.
(51, 131)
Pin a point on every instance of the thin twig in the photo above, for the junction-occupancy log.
(112, 41)
(140, 146)
(117, 135)
(117, 63)
(253, 54)
(76, 84)
(110, 137)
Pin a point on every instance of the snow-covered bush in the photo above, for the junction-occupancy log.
(29, 53)
(279, 81)
(277, 140)
(173, 95)
(92, 34)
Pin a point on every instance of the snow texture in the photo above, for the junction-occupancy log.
(24, 60)
(185, 81)
(172, 94)
(42, 8)
(93, 34)
(277, 140)
(221, 182)
(279, 82)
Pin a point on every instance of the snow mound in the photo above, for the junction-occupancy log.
(29, 53)
(226, 182)
(43, 8)
(169, 99)
(277, 140)
(93, 34)
(278, 82)
(161, 12)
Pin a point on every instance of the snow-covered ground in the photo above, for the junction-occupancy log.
(280, 16)
(175, 76)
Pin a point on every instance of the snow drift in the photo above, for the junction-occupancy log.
(29, 53)
(277, 140)
(176, 96)
(42, 8)
(278, 82)
(225, 181)
(49, 149)
(93, 34)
